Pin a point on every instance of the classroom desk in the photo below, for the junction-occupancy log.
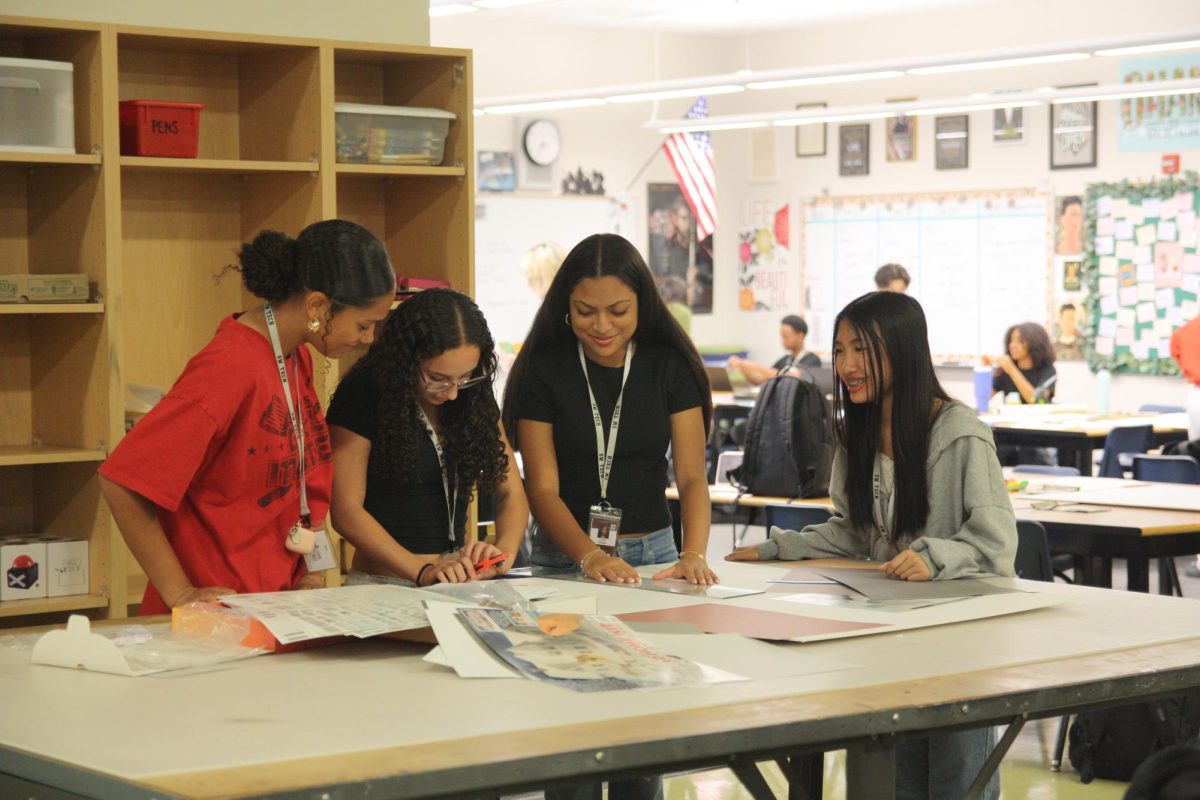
(1076, 438)
(1137, 535)
(370, 719)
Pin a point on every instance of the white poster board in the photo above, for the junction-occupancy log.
(980, 262)
(508, 226)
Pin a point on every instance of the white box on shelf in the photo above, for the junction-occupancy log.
(24, 564)
(66, 569)
(401, 135)
(37, 105)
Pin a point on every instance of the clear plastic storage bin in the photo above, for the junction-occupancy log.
(401, 135)
(37, 105)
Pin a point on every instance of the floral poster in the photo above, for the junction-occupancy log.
(1154, 124)
(764, 257)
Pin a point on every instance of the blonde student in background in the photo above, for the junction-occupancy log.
(916, 486)
(223, 485)
(416, 431)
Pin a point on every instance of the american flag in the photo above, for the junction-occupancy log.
(691, 156)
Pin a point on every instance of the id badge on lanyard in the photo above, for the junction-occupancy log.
(883, 511)
(604, 520)
(451, 498)
(301, 538)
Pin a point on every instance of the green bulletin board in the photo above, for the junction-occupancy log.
(1142, 272)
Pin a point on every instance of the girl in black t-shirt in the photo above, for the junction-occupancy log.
(603, 335)
(1027, 367)
(416, 430)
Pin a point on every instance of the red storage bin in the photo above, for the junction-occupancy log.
(159, 128)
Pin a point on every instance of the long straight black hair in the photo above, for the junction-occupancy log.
(891, 327)
(598, 256)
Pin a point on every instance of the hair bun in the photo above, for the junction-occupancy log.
(269, 266)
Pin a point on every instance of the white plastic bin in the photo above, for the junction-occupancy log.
(37, 105)
(368, 134)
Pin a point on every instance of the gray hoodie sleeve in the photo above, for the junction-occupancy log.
(833, 539)
(986, 542)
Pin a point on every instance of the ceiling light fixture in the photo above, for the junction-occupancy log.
(827, 74)
(821, 80)
(507, 3)
(1162, 47)
(916, 108)
(968, 66)
(665, 94)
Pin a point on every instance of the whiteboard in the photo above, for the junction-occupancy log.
(980, 262)
(506, 227)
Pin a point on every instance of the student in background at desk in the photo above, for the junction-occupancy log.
(793, 330)
(416, 431)
(915, 485)
(1027, 368)
(892, 278)
(209, 489)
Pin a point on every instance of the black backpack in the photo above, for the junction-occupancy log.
(788, 442)
(1112, 742)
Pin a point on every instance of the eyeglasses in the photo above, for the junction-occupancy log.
(441, 387)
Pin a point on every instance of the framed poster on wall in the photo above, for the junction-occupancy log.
(854, 149)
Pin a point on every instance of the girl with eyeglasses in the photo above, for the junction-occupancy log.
(416, 431)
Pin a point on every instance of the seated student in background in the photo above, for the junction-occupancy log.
(916, 486)
(1027, 368)
(416, 431)
(892, 278)
(603, 340)
(208, 489)
(792, 332)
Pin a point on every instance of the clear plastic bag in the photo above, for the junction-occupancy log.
(486, 594)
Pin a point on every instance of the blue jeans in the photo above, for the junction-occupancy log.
(943, 766)
(653, 548)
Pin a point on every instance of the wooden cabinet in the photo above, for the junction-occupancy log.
(155, 236)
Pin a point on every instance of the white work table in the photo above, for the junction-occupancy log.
(372, 717)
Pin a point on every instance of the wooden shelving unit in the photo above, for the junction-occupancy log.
(155, 236)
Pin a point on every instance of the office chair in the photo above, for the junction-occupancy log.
(723, 419)
(1166, 469)
(1041, 469)
(1033, 552)
(1125, 440)
(794, 518)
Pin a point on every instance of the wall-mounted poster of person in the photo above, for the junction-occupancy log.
(1068, 338)
(674, 251)
(1069, 235)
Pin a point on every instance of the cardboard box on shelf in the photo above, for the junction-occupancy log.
(23, 562)
(63, 288)
(14, 288)
(66, 567)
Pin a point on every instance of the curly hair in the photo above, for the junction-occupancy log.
(424, 327)
(1037, 342)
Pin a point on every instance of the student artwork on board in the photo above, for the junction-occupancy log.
(1069, 233)
(1068, 334)
(674, 251)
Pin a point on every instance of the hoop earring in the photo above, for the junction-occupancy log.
(313, 326)
(567, 319)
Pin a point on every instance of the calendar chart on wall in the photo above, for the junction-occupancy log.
(980, 262)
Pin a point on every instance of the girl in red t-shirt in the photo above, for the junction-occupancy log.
(210, 489)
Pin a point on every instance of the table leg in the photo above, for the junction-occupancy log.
(1139, 573)
(871, 769)
(1093, 571)
(806, 775)
(748, 773)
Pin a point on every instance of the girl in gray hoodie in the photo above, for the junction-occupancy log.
(916, 486)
